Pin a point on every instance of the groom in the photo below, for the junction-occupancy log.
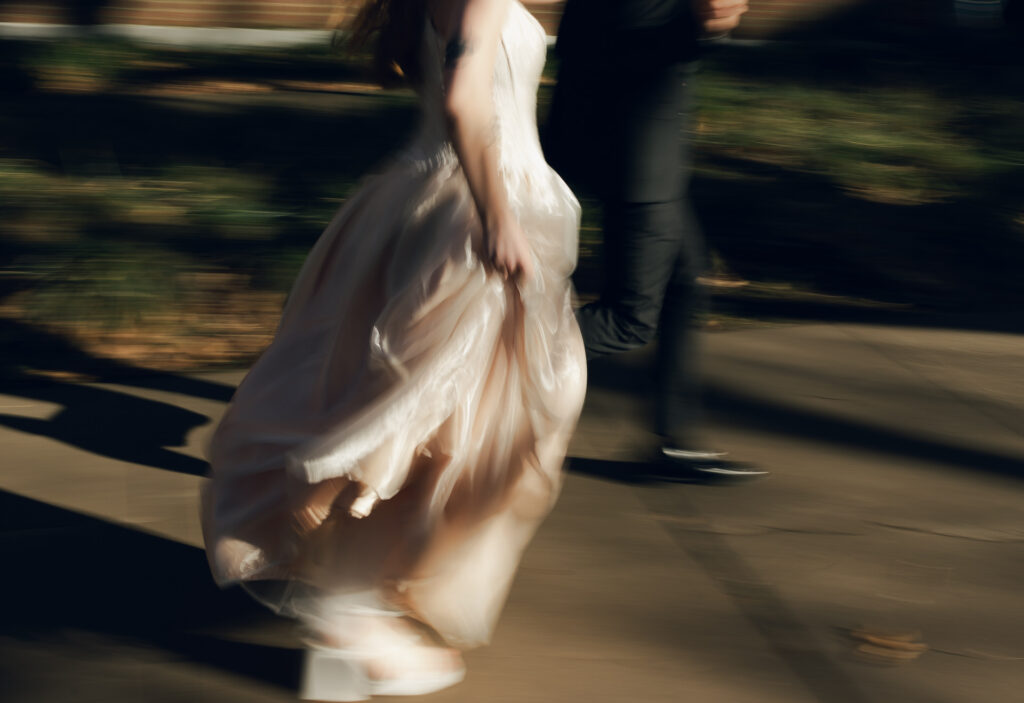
(618, 127)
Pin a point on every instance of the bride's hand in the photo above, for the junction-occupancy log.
(509, 251)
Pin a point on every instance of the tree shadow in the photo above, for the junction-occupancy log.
(304, 160)
(740, 410)
(79, 573)
(959, 256)
(632, 373)
(101, 420)
(1000, 318)
(25, 347)
(627, 472)
(861, 47)
(112, 424)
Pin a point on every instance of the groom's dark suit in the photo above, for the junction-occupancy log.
(618, 127)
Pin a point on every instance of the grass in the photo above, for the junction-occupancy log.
(164, 194)
(891, 137)
(888, 173)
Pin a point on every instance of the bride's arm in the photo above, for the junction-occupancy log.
(474, 37)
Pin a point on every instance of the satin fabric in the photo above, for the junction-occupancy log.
(404, 432)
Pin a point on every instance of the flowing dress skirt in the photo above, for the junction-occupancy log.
(404, 432)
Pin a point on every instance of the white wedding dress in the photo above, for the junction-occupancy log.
(405, 431)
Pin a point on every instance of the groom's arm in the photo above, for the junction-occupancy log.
(717, 17)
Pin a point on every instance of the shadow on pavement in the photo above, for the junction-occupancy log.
(24, 346)
(630, 374)
(746, 411)
(113, 424)
(103, 421)
(70, 573)
(759, 601)
(628, 472)
(803, 229)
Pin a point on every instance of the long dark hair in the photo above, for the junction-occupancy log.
(394, 28)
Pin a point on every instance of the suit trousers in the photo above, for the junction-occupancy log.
(624, 136)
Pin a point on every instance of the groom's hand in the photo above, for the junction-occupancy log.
(717, 17)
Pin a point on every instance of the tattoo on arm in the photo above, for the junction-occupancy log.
(456, 48)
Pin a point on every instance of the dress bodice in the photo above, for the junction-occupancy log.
(517, 72)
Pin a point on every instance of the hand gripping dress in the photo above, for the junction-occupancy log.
(404, 433)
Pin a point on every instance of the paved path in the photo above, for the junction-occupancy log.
(895, 504)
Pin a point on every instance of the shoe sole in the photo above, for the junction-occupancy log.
(329, 677)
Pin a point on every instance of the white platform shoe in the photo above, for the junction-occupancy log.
(342, 675)
(366, 650)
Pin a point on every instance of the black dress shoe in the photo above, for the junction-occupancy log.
(701, 466)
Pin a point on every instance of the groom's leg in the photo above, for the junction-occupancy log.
(641, 247)
(653, 250)
(677, 401)
(645, 229)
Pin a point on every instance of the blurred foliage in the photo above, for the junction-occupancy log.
(149, 187)
(890, 146)
(883, 171)
(107, 63)
(886, 124)
(104, 283)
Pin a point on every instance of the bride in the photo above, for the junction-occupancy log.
(384, 464)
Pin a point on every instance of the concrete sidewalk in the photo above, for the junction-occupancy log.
(894, 505)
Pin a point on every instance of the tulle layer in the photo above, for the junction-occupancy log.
(405, 430)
